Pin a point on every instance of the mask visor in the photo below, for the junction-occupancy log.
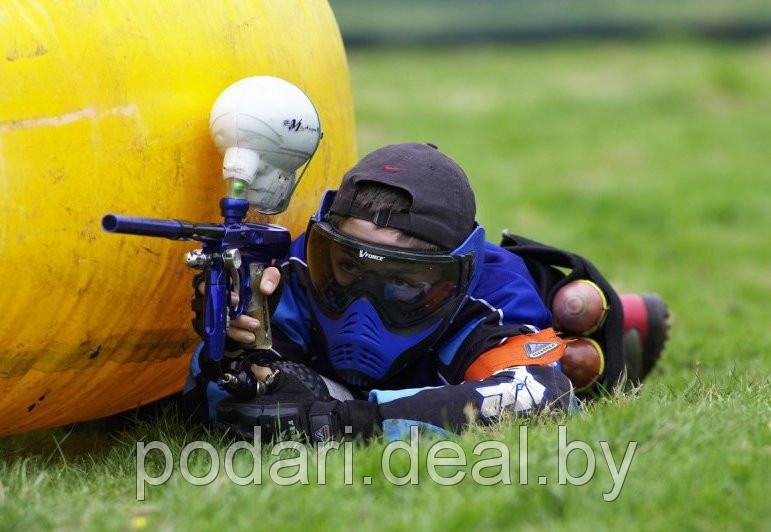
(406, 288)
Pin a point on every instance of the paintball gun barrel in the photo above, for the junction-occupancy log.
(173, 229)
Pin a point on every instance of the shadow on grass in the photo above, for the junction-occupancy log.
(93, 440)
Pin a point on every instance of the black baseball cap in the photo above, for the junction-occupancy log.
(443, 208)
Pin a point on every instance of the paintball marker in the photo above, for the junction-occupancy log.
(266, 129)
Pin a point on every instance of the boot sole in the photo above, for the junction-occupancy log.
(658, 331)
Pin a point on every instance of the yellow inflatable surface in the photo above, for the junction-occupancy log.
(104, 107)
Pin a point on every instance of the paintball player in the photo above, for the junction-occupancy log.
(392, 310)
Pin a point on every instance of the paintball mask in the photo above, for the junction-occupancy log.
(379, 308)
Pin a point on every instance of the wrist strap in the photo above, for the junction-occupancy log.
(324, 423)
(363, 417)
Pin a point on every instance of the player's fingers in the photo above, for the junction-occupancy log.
(270, 279)
(245, 322)
(241, 336)
(242, 329)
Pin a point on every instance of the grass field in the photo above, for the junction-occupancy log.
(651, 160)
(396, 22)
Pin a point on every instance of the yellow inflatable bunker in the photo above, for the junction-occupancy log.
(104, 107)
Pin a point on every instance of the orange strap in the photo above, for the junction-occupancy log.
(537, 349)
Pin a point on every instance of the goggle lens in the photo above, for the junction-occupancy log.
(405, 287)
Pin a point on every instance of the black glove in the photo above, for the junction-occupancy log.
(297, 404)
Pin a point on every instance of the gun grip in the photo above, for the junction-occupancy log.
(258, 308)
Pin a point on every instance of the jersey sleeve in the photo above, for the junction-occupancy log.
(291, 315)
(521, 390)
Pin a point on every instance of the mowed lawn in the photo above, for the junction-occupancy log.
(652, 160)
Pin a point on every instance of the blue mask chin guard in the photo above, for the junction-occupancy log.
(370, 334)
